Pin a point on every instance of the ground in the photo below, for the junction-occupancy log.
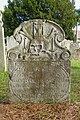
(40, 112)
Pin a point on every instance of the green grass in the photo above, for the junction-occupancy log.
(3, 85)
(75, 82)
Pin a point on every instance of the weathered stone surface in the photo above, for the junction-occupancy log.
(75, 50)
(1, 49)
(66, 43)
(75, 54)
(39, 68)
(74, 46)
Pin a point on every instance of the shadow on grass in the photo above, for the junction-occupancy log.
(74, 67)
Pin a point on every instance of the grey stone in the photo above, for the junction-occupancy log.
(39, 68)
(75, 54)
(2, 66)
(75, 50)
(74, 46)
(66, 43)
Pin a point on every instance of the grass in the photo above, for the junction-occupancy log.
(75, 82)
(3, 85)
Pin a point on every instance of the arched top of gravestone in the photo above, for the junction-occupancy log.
(40, 38)
(41, 27)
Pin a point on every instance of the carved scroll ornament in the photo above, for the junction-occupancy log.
(39, 39)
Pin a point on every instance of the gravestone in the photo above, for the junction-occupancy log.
(66, 43)
(2, 66)
(74, 46)
(75, 55)
(75, 50)
(39, 68)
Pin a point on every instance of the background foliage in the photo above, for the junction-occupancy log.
(59, 11)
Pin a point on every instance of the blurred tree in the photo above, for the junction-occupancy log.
(77, 12)
(59, 11)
